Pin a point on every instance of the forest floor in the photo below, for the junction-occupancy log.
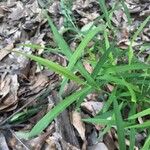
(29, 89)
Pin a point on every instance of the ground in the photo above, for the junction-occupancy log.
(29, 88)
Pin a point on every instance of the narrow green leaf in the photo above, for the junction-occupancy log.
(120, 126)
(67, 51)
(119, 81)
(132, 139)
(79, 50)
(102, 61)
(124, 68)
(135, 37)
(53, 66)
(146, 144)
(105, 12)
(52, 114)
(99, 121)
(140, 114)
(142, 126)
(126, 10)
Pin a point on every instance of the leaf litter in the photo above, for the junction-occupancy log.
(23, 82)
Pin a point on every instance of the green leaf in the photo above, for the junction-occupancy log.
(120, 126)
(99, 121)
(52, 114)
(146, 144)
(140, 114)
(102, 61)
(124, 68)
(119, 81)
(53, 66)
(132, 139)
(105, 12)
(79, 50)
(126, 10)
(135, 37)
(67, 51)
(138, 126)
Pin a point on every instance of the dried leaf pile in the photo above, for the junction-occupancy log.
(25, 86)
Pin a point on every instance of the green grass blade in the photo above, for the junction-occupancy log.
(124, 68)
(67, 51)
(58, 38)
(53, 66)
(119, 81)
(102, 61)
(146, 145)
(140, 126)
(105, 11)
(132, 139)
(99, 121)
(79, 50)
(140, 114)
(135, 37)
(52, 114)
(120, 126)
(126, 10)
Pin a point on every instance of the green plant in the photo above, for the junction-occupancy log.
(129, 80)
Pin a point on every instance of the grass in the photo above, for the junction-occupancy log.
(129, 77)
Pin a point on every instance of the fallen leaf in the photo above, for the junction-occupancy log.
(92, 106)
(78, 124)
(5, 51)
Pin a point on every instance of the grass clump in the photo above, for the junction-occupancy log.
(129, 77)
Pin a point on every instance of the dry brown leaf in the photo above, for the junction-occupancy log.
(18, 12)
(9, 98)
(92, 107)
(5, 51)
(88, 67)
(78, 124)
(3, 144)
(98, 146)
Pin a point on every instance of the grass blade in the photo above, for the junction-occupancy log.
(140, 114)
(135, 36)
(132, 139)
(126, 10)
(48, 118)
(79, 50)
(120, 126)
(102, 61)
(67, 51)
(146, 144)
(105, 12)
(139, 126)
(53, 66)
(99, 121)
(124, 68)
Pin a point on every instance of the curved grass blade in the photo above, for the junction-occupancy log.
(119, 81)
(52, 114)
(79, 50)
(124, 68)
(99, 121)
(140, 114)
(105, 12)
(135, 36)
(140, 126)
(53, 66)
(126, 10)
(102, 61)
(146, 144)
(67, 51)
